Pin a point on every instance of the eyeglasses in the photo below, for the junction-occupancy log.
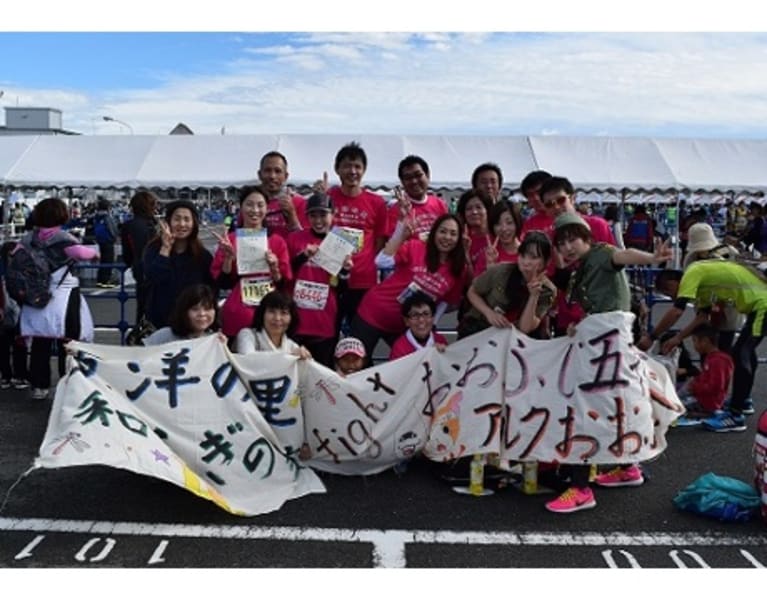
(548, 202)
(424, 314)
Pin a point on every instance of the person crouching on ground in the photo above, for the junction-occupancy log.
(349, 356)
(194, 315)
(705, 393)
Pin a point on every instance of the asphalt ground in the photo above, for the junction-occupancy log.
(91, 517)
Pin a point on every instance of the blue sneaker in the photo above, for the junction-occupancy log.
(748, 406)
(725, 421)
(687, 422)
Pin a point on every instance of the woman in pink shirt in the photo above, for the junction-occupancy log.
(473, 210)
(438, 267)
(249, 283)
(66, 316)
(505, 223)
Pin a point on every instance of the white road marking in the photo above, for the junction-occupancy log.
(82, 555)
(388, 545)
(750, 558)
(157, 555)
(608, 556)
(674, 554)
(27, 550)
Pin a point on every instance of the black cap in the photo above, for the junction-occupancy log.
(319, 202)
(171, 207)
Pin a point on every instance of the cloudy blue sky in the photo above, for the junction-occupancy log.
(690, 84)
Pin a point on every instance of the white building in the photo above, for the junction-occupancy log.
(33, 121)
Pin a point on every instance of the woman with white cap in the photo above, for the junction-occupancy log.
(703, 245)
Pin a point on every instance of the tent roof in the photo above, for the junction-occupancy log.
(204, 161)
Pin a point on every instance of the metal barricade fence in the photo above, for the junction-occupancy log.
(115, 320)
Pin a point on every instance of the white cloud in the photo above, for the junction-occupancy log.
(583, 84)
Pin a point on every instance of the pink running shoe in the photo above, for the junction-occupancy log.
(571, 500)
(621, 477)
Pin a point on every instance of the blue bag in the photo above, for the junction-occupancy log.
(719, 497)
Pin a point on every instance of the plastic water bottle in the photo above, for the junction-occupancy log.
(476, 475)
(530, 477)
(760, 456)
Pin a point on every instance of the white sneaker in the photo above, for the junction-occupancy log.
(5, 384)
(19, 384)
(39, 393)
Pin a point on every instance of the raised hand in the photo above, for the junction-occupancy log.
(166, 236)
(322, 185)
(491, 251)
(224, 243)
(663, 252)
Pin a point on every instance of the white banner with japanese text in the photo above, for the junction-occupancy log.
(179, 412)
(229, 427)
(591, 398)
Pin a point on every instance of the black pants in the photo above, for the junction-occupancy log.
(322, 349)
(40, 354)
(107, 252)
(348, 303)
(13, 354)
(744, 357)
(370, 336)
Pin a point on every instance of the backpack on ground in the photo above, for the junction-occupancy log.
(28, 275)
(101, 230)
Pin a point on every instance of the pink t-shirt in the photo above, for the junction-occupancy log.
(479, 242)
(235, 314)
(316, 300)
(381, 306)
(423, 215)
(275, 221)
(403, 346)
(538, 221)
(365, 213)
(503, 257)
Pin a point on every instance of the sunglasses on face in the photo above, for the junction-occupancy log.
(560, 200)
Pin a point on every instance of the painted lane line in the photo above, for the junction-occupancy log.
(750, 558)
(674, 554)
(610, 561)
(388, 545)
(26, 552)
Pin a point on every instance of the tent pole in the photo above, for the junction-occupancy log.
(677, 263)
(6, 213)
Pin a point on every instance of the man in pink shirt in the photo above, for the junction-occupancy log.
(540, 220)
(362, 216)
(285, 211)
(557, 195)
(488, 178)
(421, 208)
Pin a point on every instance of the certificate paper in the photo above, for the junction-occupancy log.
(251, 251)
(333, 251)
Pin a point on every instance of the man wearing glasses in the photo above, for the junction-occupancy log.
(539, 219)
(418, 313)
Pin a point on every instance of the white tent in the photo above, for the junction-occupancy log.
(199, 161)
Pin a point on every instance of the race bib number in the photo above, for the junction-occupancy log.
(311, 295)
(253, 289)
